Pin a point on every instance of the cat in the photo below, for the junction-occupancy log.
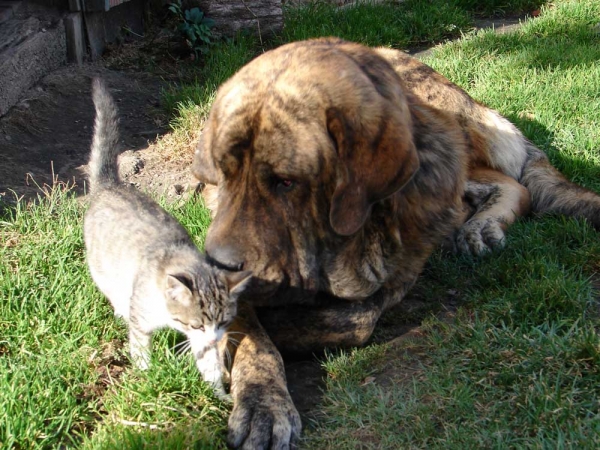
(145, 262)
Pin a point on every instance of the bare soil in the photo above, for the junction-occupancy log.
(46, 137)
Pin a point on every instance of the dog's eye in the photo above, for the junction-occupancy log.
(283, 184)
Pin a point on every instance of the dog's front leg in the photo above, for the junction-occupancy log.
(264, 415)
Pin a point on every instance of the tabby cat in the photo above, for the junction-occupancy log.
(144, 261)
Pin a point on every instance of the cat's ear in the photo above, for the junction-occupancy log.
(179, 288)
(237, 282)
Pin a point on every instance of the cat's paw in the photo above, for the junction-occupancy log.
(140, 357)
(222, 395)
(212, 373)
(139, 348)
(141, 362)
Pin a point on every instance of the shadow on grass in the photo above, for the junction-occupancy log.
(577, 169)
(162, 436)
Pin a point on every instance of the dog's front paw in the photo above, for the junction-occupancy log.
(479, 236)
(263, 417)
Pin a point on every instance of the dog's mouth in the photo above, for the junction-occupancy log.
(272, 284)
(263, 292)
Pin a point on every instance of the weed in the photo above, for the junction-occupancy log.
(194, 27)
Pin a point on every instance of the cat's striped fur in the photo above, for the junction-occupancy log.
(144, 261)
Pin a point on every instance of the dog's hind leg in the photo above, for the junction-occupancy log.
(496, 201)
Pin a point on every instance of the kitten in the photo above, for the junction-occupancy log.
(146, 264)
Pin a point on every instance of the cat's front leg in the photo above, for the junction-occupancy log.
(210, 366)
(139, 346)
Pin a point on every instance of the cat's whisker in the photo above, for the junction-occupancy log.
(236, 332)
(181, 344)
(233, 341)
(184, 348)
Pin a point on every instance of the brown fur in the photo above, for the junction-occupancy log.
(339, 169)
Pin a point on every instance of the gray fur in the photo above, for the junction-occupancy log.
(146, 264)
(105, 149)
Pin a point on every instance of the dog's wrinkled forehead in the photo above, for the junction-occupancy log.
(280, 108)
(277, 126)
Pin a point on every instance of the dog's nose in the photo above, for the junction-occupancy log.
(224, 256)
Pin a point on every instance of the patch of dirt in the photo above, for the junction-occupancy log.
(46, 137)
(406, 357)
(306, 382)
(109, 364)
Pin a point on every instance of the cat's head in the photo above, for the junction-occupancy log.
(203, 304)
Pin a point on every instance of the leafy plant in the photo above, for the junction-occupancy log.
(194, 27)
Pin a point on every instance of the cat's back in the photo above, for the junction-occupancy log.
(125, 211)
(127, 235)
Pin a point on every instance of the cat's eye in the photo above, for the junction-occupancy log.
(224, 324)
(198, 327)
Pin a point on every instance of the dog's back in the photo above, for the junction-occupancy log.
(496, 142)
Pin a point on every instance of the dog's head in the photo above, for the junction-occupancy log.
(302, 142)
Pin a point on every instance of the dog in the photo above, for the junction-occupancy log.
(333, 171)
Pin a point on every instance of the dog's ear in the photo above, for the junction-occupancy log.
(203, 165)
(377, 158)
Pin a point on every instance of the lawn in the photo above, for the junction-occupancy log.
(517, 365)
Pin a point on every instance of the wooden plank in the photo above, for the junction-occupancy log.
(231, 16)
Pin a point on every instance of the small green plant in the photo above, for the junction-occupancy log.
(194, 27)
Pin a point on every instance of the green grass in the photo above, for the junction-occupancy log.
(408, 24)
(518, 366)
(411, 23)
(61, 356)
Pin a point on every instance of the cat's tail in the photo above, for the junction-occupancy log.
(103, 168)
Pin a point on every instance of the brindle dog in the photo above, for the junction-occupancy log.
(333, 171)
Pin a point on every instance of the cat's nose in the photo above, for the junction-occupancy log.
(224, 256)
